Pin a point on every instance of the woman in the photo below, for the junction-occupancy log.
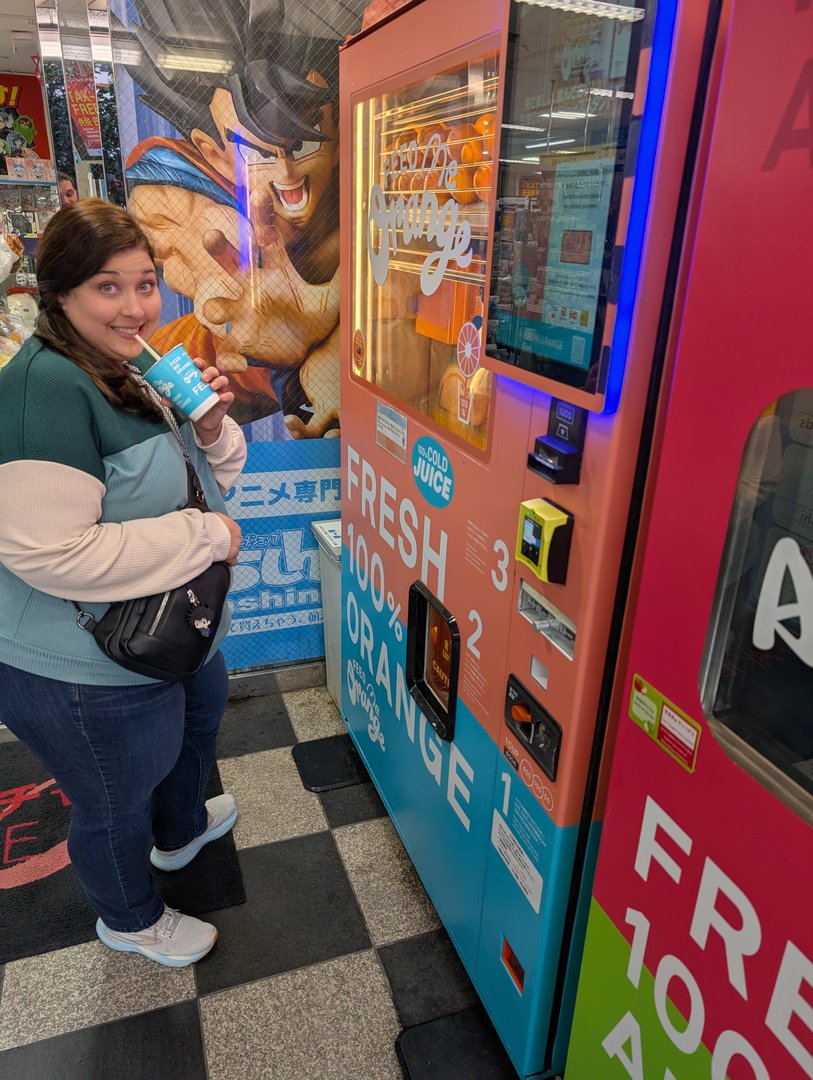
(93, 493)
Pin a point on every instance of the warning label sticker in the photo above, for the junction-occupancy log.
(520, 867)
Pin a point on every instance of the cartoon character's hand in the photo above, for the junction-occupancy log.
(320, 380)
(260, 307)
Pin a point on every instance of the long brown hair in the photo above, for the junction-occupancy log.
(76, 244)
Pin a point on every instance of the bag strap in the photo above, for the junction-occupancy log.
(196, 499)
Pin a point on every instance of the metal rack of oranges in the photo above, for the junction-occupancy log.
(468, 140)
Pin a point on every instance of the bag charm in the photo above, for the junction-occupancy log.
(200, 616)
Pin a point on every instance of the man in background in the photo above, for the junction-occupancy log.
(67, 191)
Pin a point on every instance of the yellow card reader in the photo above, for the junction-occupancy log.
(543, 539)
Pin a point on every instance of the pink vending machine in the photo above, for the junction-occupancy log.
(512, 175)
(699, 953)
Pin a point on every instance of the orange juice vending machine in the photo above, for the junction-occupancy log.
(511, 178)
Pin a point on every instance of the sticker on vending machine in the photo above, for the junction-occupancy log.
(391, 431)
(664, 723)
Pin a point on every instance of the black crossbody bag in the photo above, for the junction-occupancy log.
(166, 636)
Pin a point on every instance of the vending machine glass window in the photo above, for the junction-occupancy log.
(567, 115)
(423, 170)
(757, 674)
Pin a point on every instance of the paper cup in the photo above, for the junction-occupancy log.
(177, 378)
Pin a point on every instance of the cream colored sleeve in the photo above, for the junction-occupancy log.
(227, 454)
(56, 543)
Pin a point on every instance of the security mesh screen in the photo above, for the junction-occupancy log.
(228, 123)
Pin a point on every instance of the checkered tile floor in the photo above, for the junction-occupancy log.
(337, 948)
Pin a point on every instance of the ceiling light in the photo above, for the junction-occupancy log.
(128, 57)
(213, 63)
(101, 50)
(565, 115)
(553, 142)
(522, 127)
(600, 91)
(590, 7)
(50, 49)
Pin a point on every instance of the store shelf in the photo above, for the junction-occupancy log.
(27, 183)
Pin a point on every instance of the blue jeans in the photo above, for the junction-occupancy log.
(134, 762)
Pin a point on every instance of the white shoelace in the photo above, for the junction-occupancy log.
(168, 923)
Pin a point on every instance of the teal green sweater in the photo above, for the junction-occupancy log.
(93, 509)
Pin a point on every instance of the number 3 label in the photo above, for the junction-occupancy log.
(500, 575)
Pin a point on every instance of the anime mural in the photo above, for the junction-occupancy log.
(228, 120)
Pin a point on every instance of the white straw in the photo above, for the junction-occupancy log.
(149, 348)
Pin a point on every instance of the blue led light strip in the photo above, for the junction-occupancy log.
(665, 19)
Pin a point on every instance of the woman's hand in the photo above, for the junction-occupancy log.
(208, 427)
(236, 537)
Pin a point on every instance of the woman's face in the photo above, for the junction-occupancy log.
(122, 300)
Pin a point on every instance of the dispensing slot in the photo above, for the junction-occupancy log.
(547, 619)
(433, 658)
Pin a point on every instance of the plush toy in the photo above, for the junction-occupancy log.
(24, 126)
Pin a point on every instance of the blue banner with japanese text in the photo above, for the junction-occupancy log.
(276, 598)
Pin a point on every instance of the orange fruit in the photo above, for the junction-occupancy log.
(485, 126)
(473, 152)
(431, 182)
(463, 191)
(426, 133)
(458, 136)
(483, 178)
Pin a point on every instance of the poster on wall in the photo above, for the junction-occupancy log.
(228, 122)
(80, 90)
(25, 153)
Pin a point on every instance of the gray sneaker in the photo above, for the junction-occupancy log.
(175, 940)
(222, 811)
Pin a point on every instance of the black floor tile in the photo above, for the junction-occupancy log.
(329, 763)
(212, 881)
(252, 724)
(163, 1044)
(462, 1045)
(349, 805)
(300, 910)
(427, 978)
